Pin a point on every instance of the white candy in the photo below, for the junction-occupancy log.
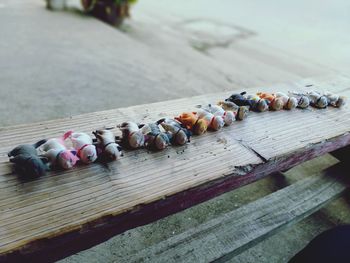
(83, 144)
(58, 154)
(106, 139)
(317, 99)
(240, 112)
(228, 116)
(303, 100)
(289, 103)
(214, 122)
(335, 100)
(136, 137)
(174, 127)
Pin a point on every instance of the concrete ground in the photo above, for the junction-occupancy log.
(57, 64)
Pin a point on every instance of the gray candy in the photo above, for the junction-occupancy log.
(27, 162)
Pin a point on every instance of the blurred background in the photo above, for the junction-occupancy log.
(64, 61)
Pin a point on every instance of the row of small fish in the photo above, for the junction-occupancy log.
(264, 101)
(34, 160)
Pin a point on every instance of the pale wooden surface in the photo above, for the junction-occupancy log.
(228, 235)
(65, 201)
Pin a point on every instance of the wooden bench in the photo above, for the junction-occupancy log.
(228, 235)
(68, 211)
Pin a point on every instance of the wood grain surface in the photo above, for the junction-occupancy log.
(223, 237)
(53, 212)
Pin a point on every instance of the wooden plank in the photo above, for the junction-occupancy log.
(278, 134)
(55, 211)
(228, 235)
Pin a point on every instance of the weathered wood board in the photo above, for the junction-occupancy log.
(228, 235)
(55, 211)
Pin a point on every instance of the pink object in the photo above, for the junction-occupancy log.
(67, 135)
(68, 155)
(58, 154)
(83, 144)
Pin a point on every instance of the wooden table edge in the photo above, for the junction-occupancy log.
(92, 233)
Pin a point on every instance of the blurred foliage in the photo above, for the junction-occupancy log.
(118, 2)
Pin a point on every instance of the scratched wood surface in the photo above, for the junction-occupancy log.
(142, 187)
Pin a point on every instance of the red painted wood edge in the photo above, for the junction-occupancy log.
(93, 233)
